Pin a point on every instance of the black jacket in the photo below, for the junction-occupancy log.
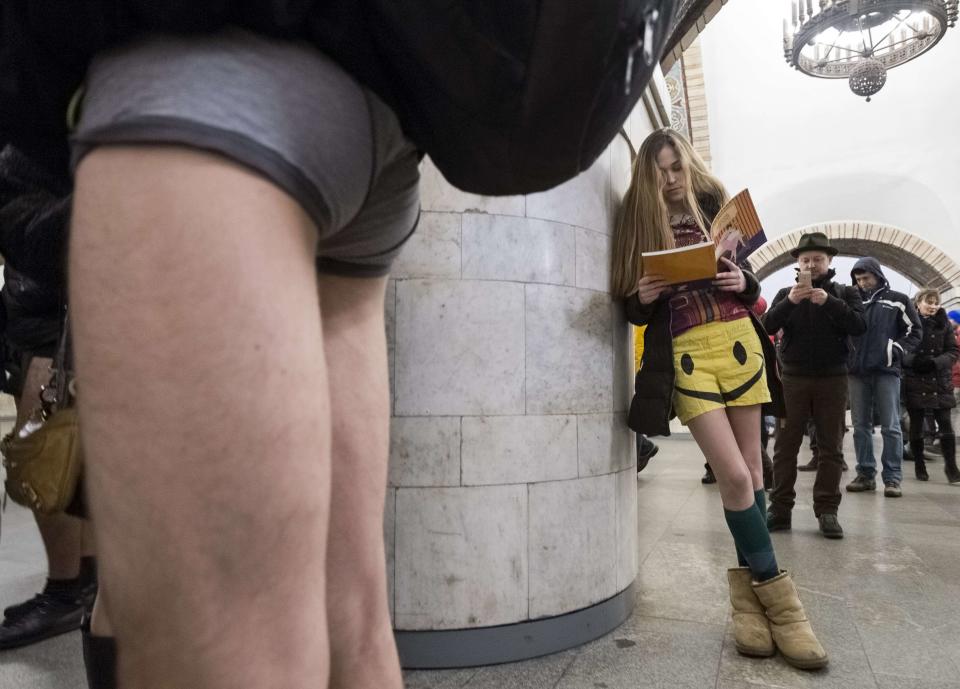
(652, 405)
(893, 326)
(816, 338)
(933, 388)
(34, 218)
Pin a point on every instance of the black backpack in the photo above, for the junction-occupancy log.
(506, 96)
(512, 96)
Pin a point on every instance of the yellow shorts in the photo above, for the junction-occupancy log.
(718, 365)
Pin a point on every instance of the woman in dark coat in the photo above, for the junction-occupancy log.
(928, 384)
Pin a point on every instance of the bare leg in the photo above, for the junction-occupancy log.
(363, 652)
(745, 423)
(715, 437)
(61, 533)
(205, 416)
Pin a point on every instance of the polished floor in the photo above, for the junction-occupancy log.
(885, 600)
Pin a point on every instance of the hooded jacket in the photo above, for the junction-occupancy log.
(816, 338)
(893, 326)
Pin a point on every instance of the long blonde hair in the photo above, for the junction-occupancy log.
(643, 223)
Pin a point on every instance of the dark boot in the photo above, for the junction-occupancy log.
(919, 465)
(708, 477)
(949, 445)
(99, 658)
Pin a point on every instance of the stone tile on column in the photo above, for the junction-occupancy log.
(424, 451)
(518, 449)
(461, 557)
(497, 247)
(572, 550)
(569, 351)
(628, 557)
(437, 194)
(433, 250)
(593, 260)
(583, 201)
(623, 357)
(604, 444)
(389, 540)
(459, 348)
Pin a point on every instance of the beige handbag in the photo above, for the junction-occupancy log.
(44, 459)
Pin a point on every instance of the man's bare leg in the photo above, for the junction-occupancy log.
(363, 652)
(205, 415)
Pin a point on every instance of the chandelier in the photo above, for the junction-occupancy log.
(860, 40)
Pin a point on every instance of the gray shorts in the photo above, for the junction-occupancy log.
(282, 109)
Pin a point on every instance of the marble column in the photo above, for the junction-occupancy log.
(512, 492)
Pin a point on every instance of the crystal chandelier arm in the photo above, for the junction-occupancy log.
(896, 43)
(900, 22)
(862, 37)
(839, 47)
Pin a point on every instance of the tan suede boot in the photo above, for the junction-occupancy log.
(788, 623)
(750, 626)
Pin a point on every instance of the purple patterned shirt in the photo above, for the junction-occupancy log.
(699, 306)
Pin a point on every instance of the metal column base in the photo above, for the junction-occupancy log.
(511, 642)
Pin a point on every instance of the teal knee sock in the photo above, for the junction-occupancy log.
(760, 501)
(749, 530)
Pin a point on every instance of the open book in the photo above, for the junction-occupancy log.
(736, 233)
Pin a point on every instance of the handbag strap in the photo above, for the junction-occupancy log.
(58, 393)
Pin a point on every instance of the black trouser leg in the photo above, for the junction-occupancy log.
(917, 418)
(787, 442)
(829, 410)
(948, 444)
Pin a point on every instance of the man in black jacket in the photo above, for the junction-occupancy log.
(893, 329)
(817, 317)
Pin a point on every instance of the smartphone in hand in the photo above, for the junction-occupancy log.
(804, 279)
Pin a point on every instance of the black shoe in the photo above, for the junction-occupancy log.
(14, 611)
(50, 617)
(99, 658)
(861, 484)
(809, 466)
(920, 471)
(708, 476)
(829, 526)
(779, 522)
(646, 450)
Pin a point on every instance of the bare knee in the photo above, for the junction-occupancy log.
(736, 486)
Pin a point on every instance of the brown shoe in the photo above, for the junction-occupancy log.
(809, 466)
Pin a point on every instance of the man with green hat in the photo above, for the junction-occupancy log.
(817, 316)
